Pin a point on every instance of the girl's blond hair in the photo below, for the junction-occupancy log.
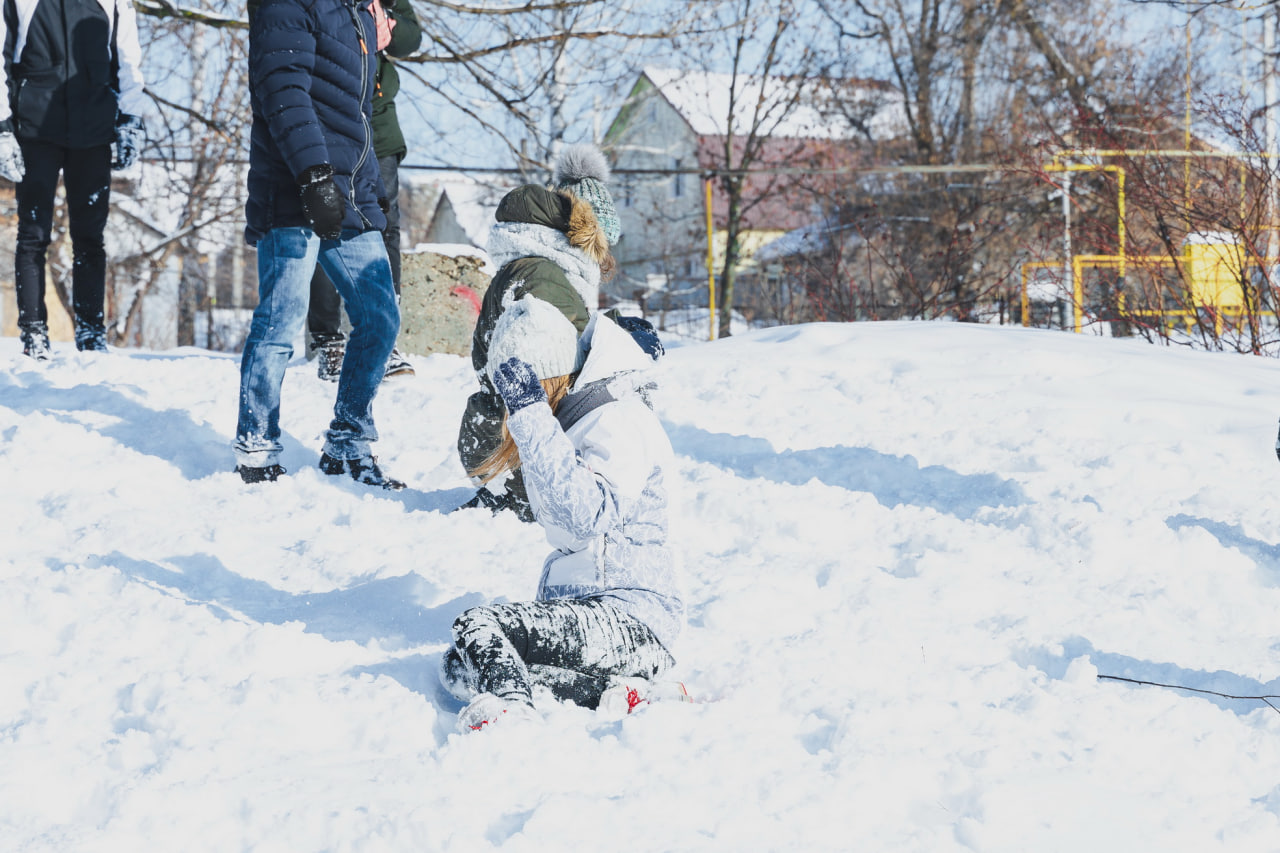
(506, 456)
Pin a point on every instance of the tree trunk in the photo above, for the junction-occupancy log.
(729, 273)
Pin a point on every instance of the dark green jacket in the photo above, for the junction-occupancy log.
(406, 37)
(531, 274)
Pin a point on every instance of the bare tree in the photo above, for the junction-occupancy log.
(985, 85)
(175, 215)
(527, 78)
(758, 155)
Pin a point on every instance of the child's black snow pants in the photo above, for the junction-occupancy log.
(574, 647)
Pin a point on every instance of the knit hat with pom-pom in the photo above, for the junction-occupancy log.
(582, 170)
(536, 332)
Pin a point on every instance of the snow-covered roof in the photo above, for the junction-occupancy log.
(1210, 238)
(806, 239)
(473, 199)
(702, 98)
(1048, 286)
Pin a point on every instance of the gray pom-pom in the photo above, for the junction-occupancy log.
(583, 160)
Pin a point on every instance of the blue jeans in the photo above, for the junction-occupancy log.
(357, 265)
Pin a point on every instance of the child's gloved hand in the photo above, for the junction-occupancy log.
(517, 385)
(644, 334)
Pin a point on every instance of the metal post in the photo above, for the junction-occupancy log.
(1068, 269)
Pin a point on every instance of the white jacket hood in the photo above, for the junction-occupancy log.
(612, 354)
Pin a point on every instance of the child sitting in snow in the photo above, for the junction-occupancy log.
(596, 461)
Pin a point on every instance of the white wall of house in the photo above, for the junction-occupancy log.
(662, 214)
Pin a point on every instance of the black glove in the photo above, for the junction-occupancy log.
(130, 136)
(643, 333)
(322, 203)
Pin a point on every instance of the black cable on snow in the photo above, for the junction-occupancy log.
(1266, 698)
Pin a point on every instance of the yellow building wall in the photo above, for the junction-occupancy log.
(749, 242)
(1214, 269)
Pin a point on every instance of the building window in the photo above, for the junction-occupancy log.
(677, 179)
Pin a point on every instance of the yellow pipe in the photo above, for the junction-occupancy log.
(711, 266)
(1120, 226)
(1081, 153)
(1026, 312)
(1078, 262)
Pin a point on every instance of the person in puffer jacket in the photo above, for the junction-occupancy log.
(598, 469)
(314, 190)
(553, 245)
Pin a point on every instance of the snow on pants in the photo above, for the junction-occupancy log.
(573, 647)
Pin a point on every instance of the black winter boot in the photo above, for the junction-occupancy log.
(364, 470)
(398, 365)
(35, 341)
(266, 474)
(90, 337)
(329, 355)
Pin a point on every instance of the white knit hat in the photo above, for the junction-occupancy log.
(536, 332)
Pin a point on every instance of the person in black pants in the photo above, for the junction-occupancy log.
(75, 95)
(400, 35)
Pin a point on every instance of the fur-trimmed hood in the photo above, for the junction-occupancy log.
(559, 210)
(537, 222)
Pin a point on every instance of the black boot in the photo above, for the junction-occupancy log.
(267, 474)
(397, 365)
(364, 470)
(330, 351)
(90, 337)
(35, 341)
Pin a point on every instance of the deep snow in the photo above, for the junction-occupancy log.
(910, 551)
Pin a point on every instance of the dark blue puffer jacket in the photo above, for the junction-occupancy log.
(311, 89)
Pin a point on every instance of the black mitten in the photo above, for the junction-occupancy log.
(644, 334)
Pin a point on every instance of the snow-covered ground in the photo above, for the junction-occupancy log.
(911, 550)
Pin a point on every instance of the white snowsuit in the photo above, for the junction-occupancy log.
(609, 604)
(600, 490)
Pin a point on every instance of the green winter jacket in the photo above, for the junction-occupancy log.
(406, 37)
(549, 246)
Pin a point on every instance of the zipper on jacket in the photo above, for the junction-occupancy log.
(354, 8)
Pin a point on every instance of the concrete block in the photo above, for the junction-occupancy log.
(440, 298)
